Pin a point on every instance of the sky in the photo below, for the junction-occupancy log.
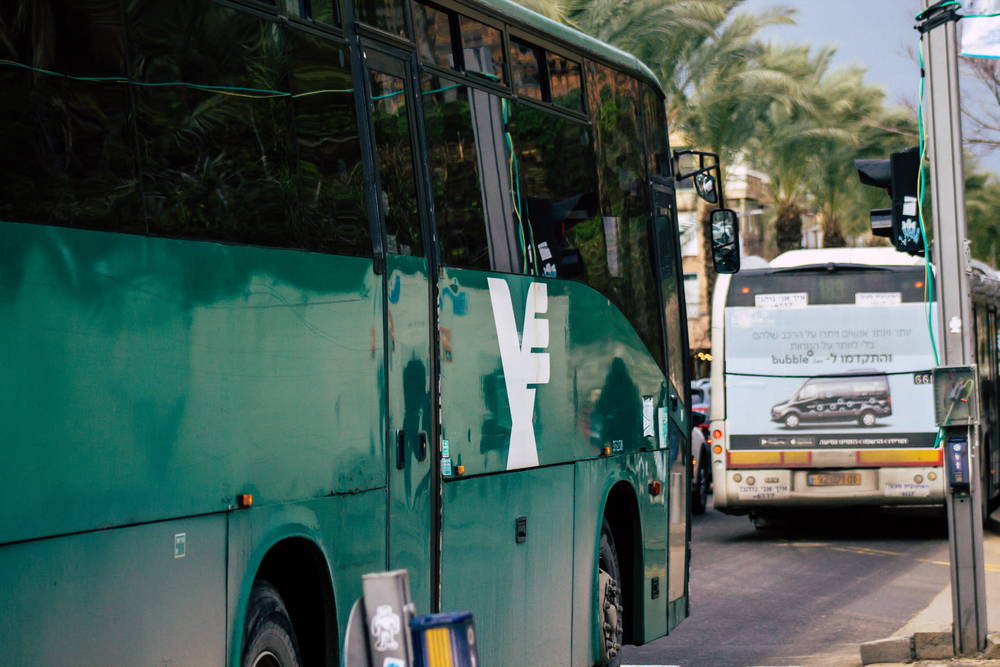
(872, 33)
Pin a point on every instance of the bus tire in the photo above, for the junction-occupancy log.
(867, 418)
(791, 420)
(268, 636)
(700, 485)
(609, 583)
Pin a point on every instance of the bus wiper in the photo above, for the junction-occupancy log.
(832, 267)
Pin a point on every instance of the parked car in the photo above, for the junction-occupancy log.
(861, 395)
(701, 471)
(701, 396)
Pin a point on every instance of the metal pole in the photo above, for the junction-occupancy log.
(965, 523)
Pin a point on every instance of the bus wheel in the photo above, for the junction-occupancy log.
(610, 599)
(700, 486)
(791, 420)
(268, 637)
(867, 418)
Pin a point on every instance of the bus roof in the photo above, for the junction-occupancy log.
(873, 256)
(565, 33)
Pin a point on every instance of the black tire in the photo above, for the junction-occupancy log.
(867, 418)
(792, 420)
(607, 561)
(268, 636)
(701, 485)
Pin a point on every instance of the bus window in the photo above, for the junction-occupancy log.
(526, 69)
(387, 15)
(395, 165)
(565, 82)
(68, 144)
(216, 166)
(454, 167)
(324, 11)
(612, 101)
(432, 28)
(482, 48)
(333, 189)
(657, 151)
(666, 243)
(555, 159)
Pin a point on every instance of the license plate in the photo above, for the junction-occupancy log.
(835, 479)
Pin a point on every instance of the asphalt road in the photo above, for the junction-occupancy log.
(807, 594)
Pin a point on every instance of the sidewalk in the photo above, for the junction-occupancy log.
(932, 626)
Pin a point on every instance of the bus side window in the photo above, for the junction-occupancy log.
(432, 28)
(387, 15)
(216, 166)
(554, 157)
(67, 145)
(613, 104)
(565, 84)
(526, 69)
(469, 164)
(333, 186)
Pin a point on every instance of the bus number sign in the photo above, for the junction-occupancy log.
(922, 378)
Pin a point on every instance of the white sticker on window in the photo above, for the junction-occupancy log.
(794, 300)
(878, 299)
(647, 417)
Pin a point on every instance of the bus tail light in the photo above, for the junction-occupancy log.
(717, 434)
(655, 488)
(717, 449)
(768, 459)
(873, 458)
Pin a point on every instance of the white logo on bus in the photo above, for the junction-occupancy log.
(521, 366)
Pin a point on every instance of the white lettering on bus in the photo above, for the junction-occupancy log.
(521, 366)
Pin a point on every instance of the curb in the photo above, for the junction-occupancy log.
(936, 645)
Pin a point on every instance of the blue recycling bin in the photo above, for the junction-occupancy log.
(444, 640)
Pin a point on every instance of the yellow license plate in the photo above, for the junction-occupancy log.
(835, 479)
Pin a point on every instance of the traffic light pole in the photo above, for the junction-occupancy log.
(952, 263)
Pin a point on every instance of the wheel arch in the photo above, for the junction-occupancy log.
(296, 565)
(621, 509)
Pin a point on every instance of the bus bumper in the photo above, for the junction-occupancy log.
(739, 490)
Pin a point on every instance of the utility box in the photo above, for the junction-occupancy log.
(956, 396)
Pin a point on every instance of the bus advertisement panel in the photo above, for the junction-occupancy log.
(829, 375)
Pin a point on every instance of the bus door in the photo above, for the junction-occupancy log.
(409, 363)
(678, 424)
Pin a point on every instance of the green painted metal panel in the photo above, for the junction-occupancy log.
(409, 403)
(599, 373)
(147, 378)
(348, 530)
(653, 511)
(117, 597)
(520, 594)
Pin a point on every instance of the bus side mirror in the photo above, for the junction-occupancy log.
(700, 166)
(705, 185)
(725, 241)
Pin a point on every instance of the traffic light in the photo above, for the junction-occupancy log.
(898, 175)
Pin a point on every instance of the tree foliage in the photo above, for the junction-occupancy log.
(783, 111)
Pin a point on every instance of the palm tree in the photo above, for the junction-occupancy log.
(732, 85)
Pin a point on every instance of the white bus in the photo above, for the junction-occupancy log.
(823, 358)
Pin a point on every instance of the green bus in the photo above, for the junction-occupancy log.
(295, 291)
